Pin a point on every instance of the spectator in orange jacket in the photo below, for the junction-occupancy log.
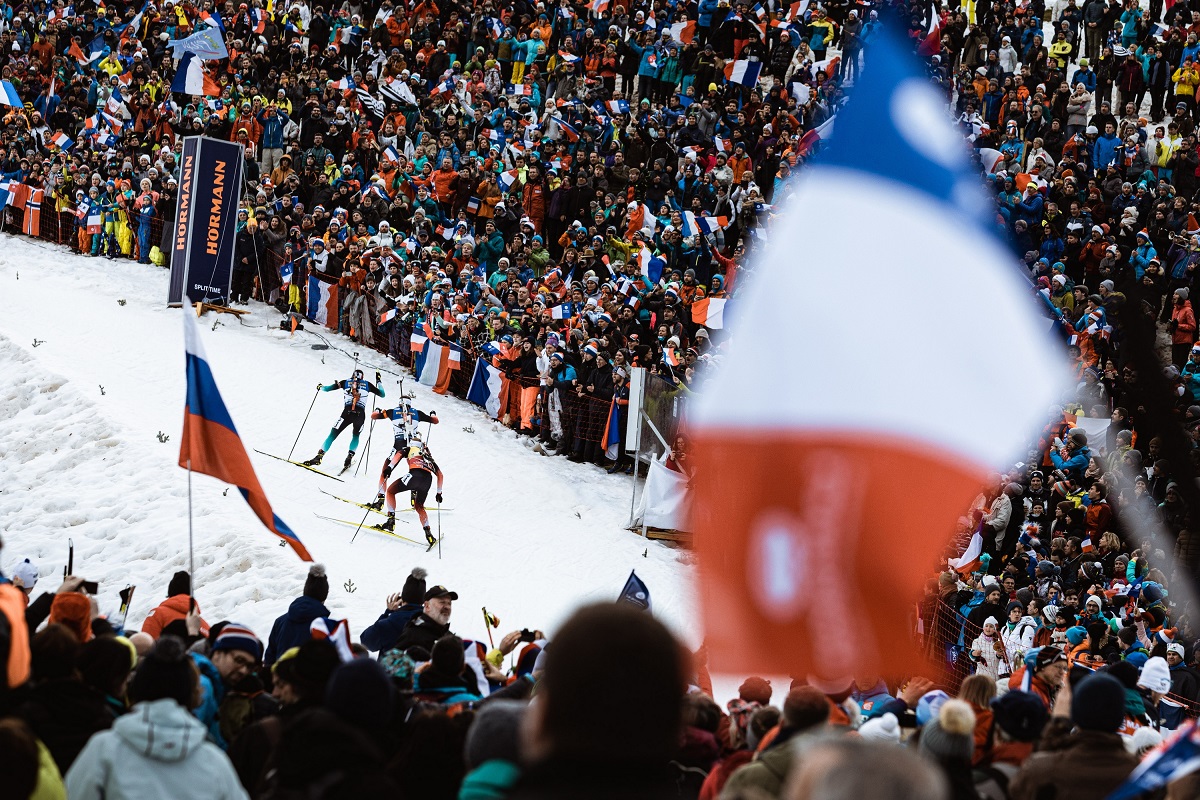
(174, 607)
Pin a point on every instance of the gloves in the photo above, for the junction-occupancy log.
(320, 386)
(387, 470)
(378, 377)
(438, 497)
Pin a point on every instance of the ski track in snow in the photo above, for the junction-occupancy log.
(529, 537)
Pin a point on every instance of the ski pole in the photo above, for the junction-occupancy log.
(439, 507)
(359, 528)
(367, 450)
(302, 424)
(69, 569)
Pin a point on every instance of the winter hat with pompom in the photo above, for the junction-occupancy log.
(952, 734)
(316, 585)
(884, 728)
(414, 587)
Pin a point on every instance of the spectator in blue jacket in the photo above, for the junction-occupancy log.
(292, 629)
(273, 121)
(705, 18)
(1104, 150)
(1077, 458)
(384, 634)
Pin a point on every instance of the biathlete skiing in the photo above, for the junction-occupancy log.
(421, 469)
(354, 412)
(405, 421)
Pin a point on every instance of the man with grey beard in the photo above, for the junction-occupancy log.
(431, 624)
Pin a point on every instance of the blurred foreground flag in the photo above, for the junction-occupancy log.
(826, 489)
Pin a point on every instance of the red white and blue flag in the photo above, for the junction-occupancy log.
(210, 443)
(1175, 758)
(434, 364)
(826, 474)
(744, 73)
(322, 302)
(709, 312)
(489, 388)
(62, 141)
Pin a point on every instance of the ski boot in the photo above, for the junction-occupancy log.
(390, 523)
(429, 537)
(315, 460)
(349, 461)
(376, 504)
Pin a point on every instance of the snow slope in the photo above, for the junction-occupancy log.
(81, 414)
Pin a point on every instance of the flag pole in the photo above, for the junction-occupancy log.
(191, 556)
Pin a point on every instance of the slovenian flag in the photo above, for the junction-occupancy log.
(190, 77)
(489, 388)
(322, 302)
(825, 472)
(9, 96)
(62, 141)
(744, 73)
(434, 364)
(210, 443)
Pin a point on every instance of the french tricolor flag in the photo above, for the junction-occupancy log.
(434, 363)
(722, 145)
(345, 84)
(62, 141)
(388, 316)
(507, 179)
(420, 335)
(489, 388)
(391, 154)
(826, 474)
(684, 32)
(744, 73)
(521, 90)
(322, 302)
(569, 58)
(709, 312)
(562, 311)
(210, 443)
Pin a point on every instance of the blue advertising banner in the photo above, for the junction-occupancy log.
(202, 244)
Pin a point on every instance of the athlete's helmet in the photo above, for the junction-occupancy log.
(358, 373)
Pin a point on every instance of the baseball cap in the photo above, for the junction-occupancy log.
(440, 591)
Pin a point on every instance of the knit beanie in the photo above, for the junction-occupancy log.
(884, 728)
(308, 666)
(316, 585)
(361, 693)
(1156, 676)
(952, 734)
(755, 690)
(74, 611)
(236, 636)
(181, 583)
(1076, 635)
(1098, 703)
(1021, 715)
(929, 705)
(414, 587)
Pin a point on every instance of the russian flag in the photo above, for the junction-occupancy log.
(826, 474)
(744, 73)
(9, 96)
(322, 302)
(489, 388)
(709, 312)
(190, 77)
(434, 363)
(62, 141)
(210, 443)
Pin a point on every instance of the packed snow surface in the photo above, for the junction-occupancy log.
(91, 409)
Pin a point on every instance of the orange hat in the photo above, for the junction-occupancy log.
(73, 610)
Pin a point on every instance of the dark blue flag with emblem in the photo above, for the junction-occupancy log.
(635, 593)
